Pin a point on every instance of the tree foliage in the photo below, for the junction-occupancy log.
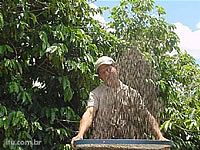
(180, 89)
(137, 23)
(47, 54)
(47, 50)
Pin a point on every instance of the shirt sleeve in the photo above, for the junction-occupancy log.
(93, 101)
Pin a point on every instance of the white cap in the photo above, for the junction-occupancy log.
(103, 60)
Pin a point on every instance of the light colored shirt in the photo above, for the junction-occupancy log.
(118, 111)
(103, 96)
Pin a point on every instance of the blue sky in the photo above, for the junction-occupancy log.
(185, 14)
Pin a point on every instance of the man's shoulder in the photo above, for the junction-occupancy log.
(99, 89)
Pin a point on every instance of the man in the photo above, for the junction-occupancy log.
(100, 101)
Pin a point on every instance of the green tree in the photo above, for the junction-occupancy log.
(178, 76)
(180, 90)
(47, 50)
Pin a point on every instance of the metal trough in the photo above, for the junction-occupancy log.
(122, 144)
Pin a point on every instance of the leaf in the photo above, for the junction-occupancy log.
(63, 47)
(44, 38)
(15, 121)
(58, 131)
(66, 89)
(18, 66)
(161, 10)
(28, 135)
(7, 62)
(37, 124)
(1, 21)
(5, 123)
(53, 115)
(8, 48)
(3, 111)
(34, 18)
(24, 123)
(88, 58)
(72, 65)
(70, 114)
(1, 49)
(65, 82)
(5, 48)
(166, 125)
(23, 24)
(83, 67)
(51, 49)
(68, 94)
(23, 96)
(1, 122)
(10, 118)
(47, 113)
(73, 37)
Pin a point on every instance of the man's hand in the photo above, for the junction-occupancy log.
(85, 123)
(78, 137)
(162, 138)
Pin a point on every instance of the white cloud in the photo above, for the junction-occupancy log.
(189, 40)
(198, 25)
(98, 17)
(101, 19)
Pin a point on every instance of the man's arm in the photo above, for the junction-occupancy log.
(154, 126)
(85, 123)
(86, 120)
(137, 99)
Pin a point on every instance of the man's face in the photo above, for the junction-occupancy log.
(108, 73)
